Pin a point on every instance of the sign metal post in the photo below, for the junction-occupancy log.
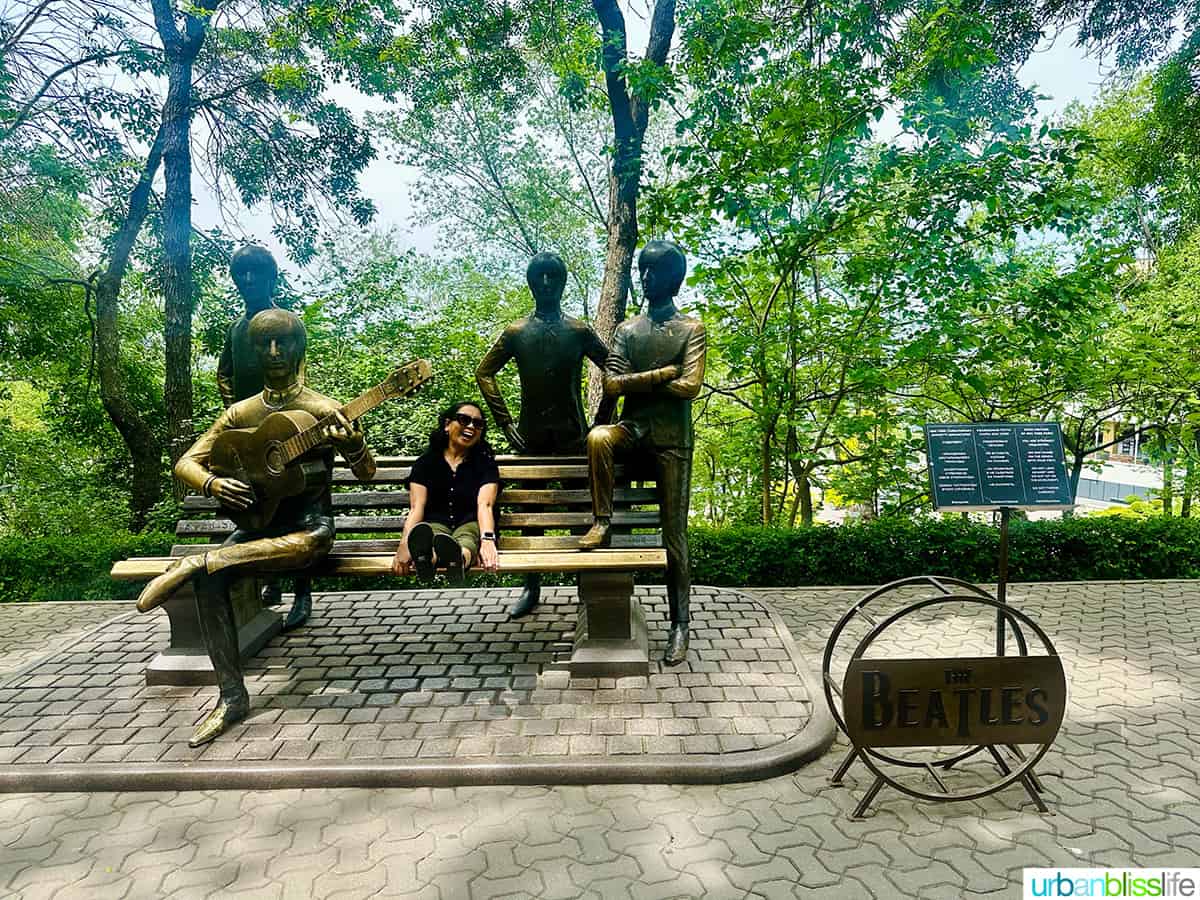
(1019, 700)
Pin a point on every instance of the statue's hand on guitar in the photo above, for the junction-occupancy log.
(232, 492)
(254, 467)
(341, 432)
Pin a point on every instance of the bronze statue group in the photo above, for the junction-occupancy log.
(656, 362)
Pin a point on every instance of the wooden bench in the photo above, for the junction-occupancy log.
(539, 494)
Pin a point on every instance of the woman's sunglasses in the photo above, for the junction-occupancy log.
(464, 420)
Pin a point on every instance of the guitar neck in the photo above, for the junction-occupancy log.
(311, 437)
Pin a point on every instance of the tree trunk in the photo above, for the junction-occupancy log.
(1189, 487)
(795, 508)
(145, 449)
(1077, 461)
(177, 256)
(618, 260)
(1168, 488)
(630, 116)
(765, 462)
(804, 489)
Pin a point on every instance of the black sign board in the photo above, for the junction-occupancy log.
(952, 702)
(990, 465)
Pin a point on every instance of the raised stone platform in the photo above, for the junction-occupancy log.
(423, 688)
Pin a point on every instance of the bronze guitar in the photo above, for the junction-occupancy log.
(265, 457)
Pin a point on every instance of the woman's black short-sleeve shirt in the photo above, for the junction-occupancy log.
(453, 495)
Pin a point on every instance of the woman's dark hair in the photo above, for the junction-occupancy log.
(439, 440)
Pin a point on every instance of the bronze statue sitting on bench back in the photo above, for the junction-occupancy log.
(657, 365)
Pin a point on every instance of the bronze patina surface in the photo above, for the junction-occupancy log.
(657, 365)
(301, 531)
(255, 274)
(239, 376)
(549, 349)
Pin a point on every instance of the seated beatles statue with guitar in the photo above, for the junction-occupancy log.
(268, 460)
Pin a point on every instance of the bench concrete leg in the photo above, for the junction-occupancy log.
(185, 661)
(610, 637)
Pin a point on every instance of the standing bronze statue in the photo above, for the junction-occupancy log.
(549, 349)
(298, 535)
(657, 364)
(239, 375)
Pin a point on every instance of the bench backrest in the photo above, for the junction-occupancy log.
(540, 494)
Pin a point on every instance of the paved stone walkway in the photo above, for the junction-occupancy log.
(30, 631)
(420, 676)
(1123, 780)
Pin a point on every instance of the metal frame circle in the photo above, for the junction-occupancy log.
(870, 756)
(827, 682)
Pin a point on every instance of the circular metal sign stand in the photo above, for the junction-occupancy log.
(1019, 769)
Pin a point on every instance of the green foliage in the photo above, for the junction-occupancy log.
(1079, 549)
(881, 233)
(505, 182)
(1134, 508)
(374, 308)
(72, 567)
(859, 277)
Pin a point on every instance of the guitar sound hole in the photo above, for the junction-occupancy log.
(275, 458)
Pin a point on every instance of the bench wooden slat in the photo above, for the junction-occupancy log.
(392, 499)
(367, 524)
(508, 473)
(513, 561)
(503, 459)
(508, 542)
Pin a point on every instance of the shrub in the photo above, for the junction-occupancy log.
(75, 567)
(72, 567)
(1076, 549)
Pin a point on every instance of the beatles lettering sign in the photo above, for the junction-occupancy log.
(989, 465)
(951, 702)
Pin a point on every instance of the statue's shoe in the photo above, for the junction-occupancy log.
(420, 545)
(219, 720)
(677, 645)
(300, 611)
(597, 535)
(526, 603)
(159, 589)
(449, 554)
(272, 593)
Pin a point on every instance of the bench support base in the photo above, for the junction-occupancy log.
(610, 636)
(185, 662)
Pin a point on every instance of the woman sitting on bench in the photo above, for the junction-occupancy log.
(452, 494)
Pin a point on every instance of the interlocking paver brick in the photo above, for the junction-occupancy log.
(1127, 793)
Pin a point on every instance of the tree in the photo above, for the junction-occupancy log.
(633, 90)
(455, 55)
(840, 258)
(256, 81)
(508, 181)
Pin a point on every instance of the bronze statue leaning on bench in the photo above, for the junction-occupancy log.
(657, 363)
(549, 349)
(297, 535)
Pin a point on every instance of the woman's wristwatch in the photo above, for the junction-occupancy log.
(488, 536)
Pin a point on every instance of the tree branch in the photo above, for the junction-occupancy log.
(27, 108)
(612, 26)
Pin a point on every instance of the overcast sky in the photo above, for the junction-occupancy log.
(1059, 69)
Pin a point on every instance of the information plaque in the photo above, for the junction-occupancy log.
(992, 465)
